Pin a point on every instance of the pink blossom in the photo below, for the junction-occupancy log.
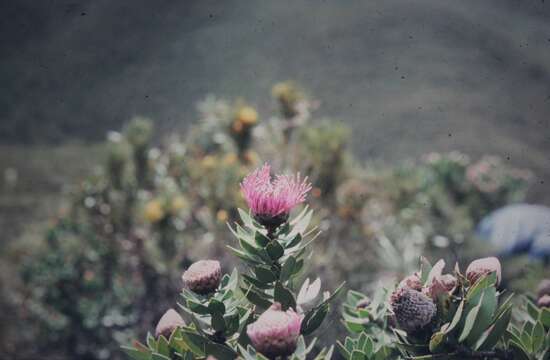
(276, 332)
(270, 198)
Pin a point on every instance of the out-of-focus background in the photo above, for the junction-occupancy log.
(375, 86)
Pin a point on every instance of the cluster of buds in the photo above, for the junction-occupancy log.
(276, 332)
(543, 294)
(414, 302)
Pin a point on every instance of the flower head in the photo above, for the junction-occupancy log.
(441, 284)
(271, 199)
(168, 323)
(482, 267)
(543, 288)
(203, 276)
(412, 281)
(276, 332)
(544, 301)
(413, 310)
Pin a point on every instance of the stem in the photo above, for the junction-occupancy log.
(464, 353)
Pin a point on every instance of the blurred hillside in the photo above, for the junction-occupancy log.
(408, 77)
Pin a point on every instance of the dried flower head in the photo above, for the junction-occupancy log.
(276, 332)
(413, 310)
(168, 323)
(203, 276)
(271, 201)
(482, 267)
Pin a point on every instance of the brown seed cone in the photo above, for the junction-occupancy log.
(413, 310)
(203, 276)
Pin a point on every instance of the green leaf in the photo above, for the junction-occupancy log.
(264, 274)
(313, 319)
(136, 354)
(218, 322)
(261, 239)
(519, 352)
(246, 218)
(151, 342)
(358, 355)
(257, 283)
(456, 318)
(345, 353)
(470, 321)
(295, 241)
(197, 308)
(437, 341)
(219, 351)
(194, 342)
(275, 250)
(484, 317)
(162, 346)
(157, 356)
(257, 298)
(284, 296)
(232, 324)
(495, 333)
(216, 307)
(425, 268)
(545, 317)
(287, 269)
(537, 336)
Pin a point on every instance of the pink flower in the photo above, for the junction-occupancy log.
(168, 323)
(276, 332)
(411, 281)
(269, 198)
(483, 267)
(203, 276)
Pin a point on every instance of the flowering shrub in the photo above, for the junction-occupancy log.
(111, 263)
(259, 313)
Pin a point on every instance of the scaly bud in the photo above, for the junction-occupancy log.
(543, 288)
(482, 267)
(168, 323)
(544, 301)
(412, 282)
(441, 284)
(413, 310)
(276, 332)
(203, 276)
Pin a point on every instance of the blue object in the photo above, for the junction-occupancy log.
(518, 229)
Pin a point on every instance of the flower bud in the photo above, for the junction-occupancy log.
(412, 282)
(544, 301)
(203, 276)
(482, 267)
(276, 332)
(543, 288)
(413, 310)
(168, 323)
(441, 284)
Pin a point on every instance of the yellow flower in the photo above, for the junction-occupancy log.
(222, 216)
(178, 203)
(247, 115)
(230, 159)
(154, 211)
(208, 162)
